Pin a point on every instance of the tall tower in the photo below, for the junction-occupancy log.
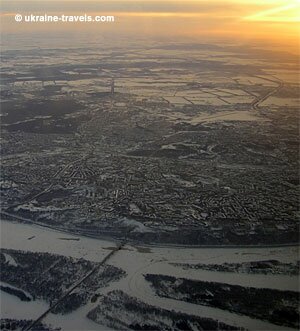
(112, 87)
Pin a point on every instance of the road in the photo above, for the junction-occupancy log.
(256, 103)
(72, 288)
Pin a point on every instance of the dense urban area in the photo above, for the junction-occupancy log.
(194, 151)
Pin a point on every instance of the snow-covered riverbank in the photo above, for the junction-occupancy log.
(137, 261)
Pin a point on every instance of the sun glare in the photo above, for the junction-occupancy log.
(289, 12)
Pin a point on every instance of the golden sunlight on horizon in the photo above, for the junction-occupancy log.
(287, 13)
(271, 20)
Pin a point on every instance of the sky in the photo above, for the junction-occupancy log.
(270, 21)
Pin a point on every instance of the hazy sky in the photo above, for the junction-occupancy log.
(245, 20)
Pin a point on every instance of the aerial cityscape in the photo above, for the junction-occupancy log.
(149, 184)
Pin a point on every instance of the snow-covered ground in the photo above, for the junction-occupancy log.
(137, 261)
(10, 260)
(12, 307)
(15, 288)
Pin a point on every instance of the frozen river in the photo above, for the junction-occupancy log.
(137, 261)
